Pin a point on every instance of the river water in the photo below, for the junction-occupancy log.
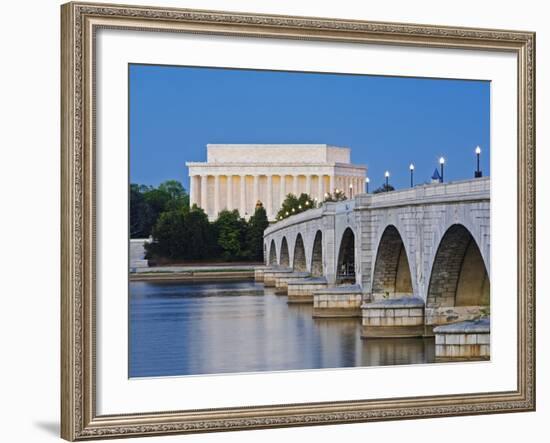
(223, 327)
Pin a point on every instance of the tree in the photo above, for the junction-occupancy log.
(177, 193)
(294, 205)
(336, 196)
(148, 203)
(182, 234)
(141, 217)
(255, 234)
(383, 188)
(170, 236)
(231, 232)
(202, 236)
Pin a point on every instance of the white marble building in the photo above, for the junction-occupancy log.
(238, 176)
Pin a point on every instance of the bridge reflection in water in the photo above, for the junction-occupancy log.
(213, 328)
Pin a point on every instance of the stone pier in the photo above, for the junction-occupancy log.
(453, 314)
(259, 273)
(340, 301)
(282, 281)
(397, 317)
(271, 274)
(463, 341)
(301, 291)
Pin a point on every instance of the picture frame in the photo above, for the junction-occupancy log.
(79, 179)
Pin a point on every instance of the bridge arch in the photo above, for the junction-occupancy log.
(392, 276)
(317, 255)
(458, 276)
(272, 260)
(299, 256)
(284, 258)
(345, 266)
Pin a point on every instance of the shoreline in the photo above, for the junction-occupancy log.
(193, 276)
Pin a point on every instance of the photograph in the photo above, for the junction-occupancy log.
(290, 220)
(280, 218)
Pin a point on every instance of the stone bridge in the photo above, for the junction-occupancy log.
(431, 242)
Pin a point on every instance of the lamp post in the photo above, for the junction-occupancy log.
(478, 173)
(350, 191)
(411, 168)
(387, 175)
(442, 163)
(367, 181)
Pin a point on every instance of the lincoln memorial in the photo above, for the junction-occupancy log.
(238, 176)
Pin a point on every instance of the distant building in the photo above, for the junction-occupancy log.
(238, 176)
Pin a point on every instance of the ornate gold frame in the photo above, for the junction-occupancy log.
(79, 420)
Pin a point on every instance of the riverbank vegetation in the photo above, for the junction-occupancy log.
(181, 233)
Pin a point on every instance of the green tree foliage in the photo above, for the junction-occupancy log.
(336, 196)
(141, 216)
(182, 234)
(148, 203)
(294, 205)
(231, 230)
(255, 234)
(171, 236)
(202, 238)
(383, 188)
(178, 196)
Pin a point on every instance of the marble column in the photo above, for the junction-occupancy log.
(332, 185)
(282, 190)
(229, 188)
(295, 185)
(256, 192)
(192, 191)
(204, 192)
(308, 184)
(269, 202)
(320, 195)
(216, 195)
(242, 200)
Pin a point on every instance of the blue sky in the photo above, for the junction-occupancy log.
(388, 122)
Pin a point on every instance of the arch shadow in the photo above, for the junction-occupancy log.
(317, 255)
(458, 276)
(272, 260)
(392, 276)
(284, 259)
(299, 257)
(345, 267)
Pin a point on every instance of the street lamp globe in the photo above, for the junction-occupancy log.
(411, 167)
(478, 150)
(441, 160)
(387, 174)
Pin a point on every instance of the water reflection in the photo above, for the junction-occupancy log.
(209, 328)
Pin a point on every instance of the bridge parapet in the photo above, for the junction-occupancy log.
(464, 190)
(328, 208)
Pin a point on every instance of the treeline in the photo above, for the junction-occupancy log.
(183, 233)
(147, 203)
